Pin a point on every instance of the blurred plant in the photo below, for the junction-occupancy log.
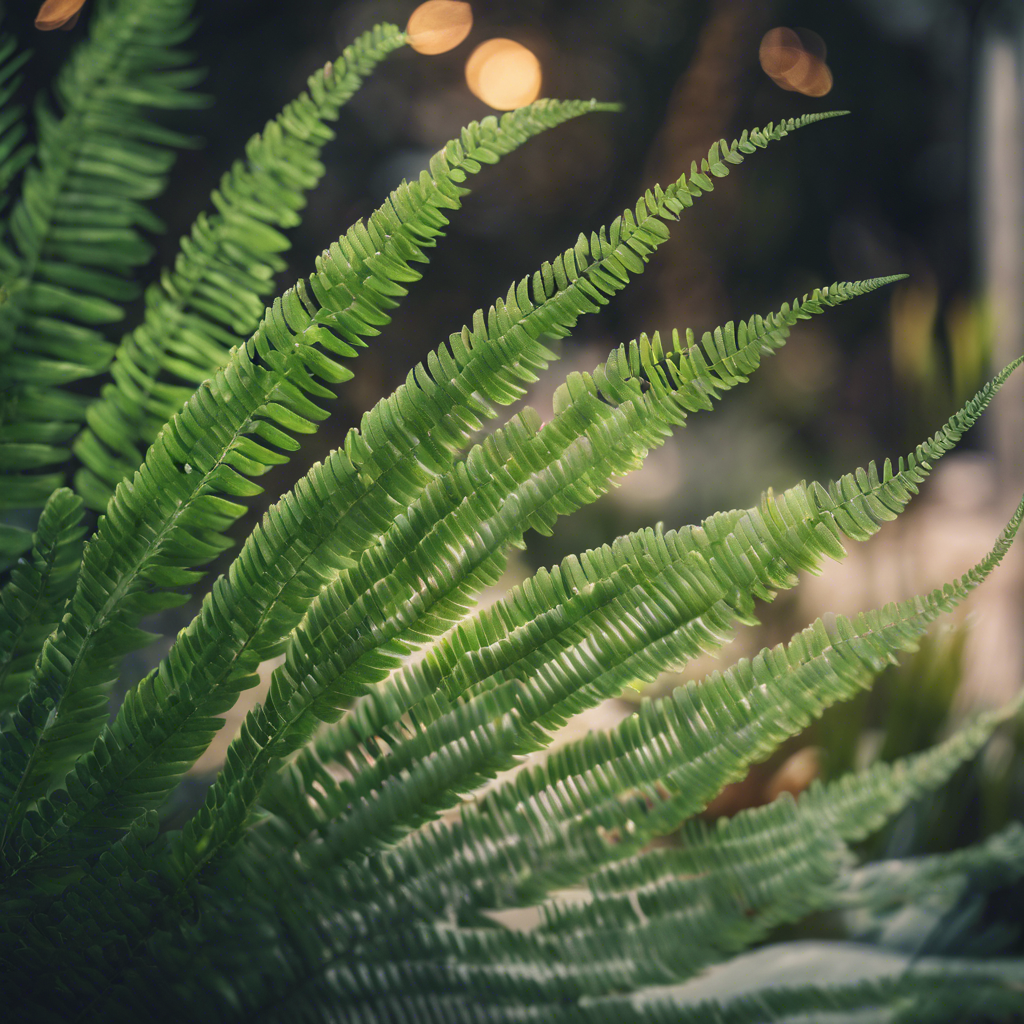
(922, 333)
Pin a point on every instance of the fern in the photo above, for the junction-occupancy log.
(318, 880)
(74, 238)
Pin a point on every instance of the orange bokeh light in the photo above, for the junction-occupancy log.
(504, 74)
(795, 60)
(58, 14)
(439, 25)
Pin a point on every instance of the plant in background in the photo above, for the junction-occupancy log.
(318, 880)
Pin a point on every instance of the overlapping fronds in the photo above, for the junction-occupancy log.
(939, 903)
(316, 881)
(654, 918)
(416, 581)
(75, 228)
(127, 867)
(574, 636)
(211, 299)
(33, 599)
(721, 891)
(887, 883)
(14, 154)
(544, 829)
(776, 862)
(405, 440)
(171, 517)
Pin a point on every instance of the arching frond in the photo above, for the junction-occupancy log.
(888, 882)
(208, 448)
(415, 583)
(575, 637)
(544, 828)
(562, 296)
(211, 299)
(735, 884)
(773, 864)
(33, 599)
(75, 232)
(936, 904)
(14, 154)
(318, 879)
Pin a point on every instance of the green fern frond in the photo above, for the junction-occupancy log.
(751, 708)
(211, 299)
(14, 152)
(558, 306)
(417, 581)
(726, 886)
(857, 805)
(542, 829)
(212, 432)
(722, 890)
(574, 634)
(209, 440)
(888, 883)
(32, 601)
(74, 229)
(319, 878)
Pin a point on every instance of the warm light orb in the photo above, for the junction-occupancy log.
(439, 25)
(795, 60)
(58, 14)
(504, 74)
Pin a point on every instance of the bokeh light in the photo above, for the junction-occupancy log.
(439, 25)
(58, 14)
(504, 74)
(794, 59)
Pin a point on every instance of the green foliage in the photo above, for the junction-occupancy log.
(324, 876)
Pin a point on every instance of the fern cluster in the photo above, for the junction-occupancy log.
(322, 878)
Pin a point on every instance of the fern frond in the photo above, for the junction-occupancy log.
(417, 581)
(575, 635)
(362, 958)
(127, 866)
(444, 411)
(543, 829)
(74, 229)
(723, 889)
(33, 599)
(210, 301)
(999, 859)
(14, 152)
(707, 734)
(858, 804)
(170, 518)
(774, 864)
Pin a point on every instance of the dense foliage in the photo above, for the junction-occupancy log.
(322, 878)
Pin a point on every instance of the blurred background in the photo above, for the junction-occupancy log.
(925, 177)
